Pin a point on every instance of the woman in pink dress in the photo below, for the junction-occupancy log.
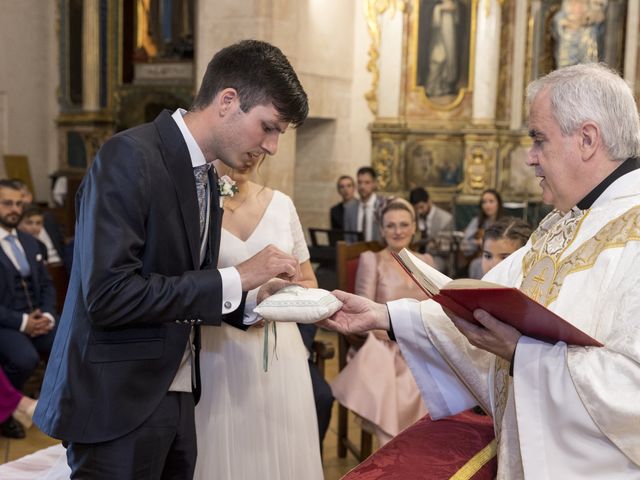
(376, 384)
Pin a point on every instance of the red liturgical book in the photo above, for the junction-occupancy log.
(507, 304)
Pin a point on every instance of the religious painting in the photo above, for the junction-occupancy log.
(569, 32)
(434, 164)
(444, 30)
(164, 29)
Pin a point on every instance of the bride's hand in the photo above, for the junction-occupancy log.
(259, 323)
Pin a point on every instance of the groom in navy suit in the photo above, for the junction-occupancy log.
(123, 376)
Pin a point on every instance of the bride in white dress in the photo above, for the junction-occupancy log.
(253, 424)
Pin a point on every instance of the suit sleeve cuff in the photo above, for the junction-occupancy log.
(231, 289)
(25, 320)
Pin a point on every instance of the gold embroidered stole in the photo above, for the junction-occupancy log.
(544, 272)
(554, 235)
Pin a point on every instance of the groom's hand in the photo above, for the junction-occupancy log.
(268, 263)
(271, 287)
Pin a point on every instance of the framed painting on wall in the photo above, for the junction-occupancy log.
(440, 52)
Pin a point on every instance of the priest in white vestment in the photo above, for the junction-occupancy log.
(560, 411)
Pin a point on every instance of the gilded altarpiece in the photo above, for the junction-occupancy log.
(436, 141)
(433, 142)
(121, 64)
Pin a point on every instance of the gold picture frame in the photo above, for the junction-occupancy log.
(17, 166)
(440, 55)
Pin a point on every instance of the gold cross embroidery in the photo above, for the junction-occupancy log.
(539, 279)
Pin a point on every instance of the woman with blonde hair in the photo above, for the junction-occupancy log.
(376, 384)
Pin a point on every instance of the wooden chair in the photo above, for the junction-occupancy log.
(347, 256)
(60, 282)
(320, 352)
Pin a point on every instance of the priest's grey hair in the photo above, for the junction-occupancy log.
(593, 92)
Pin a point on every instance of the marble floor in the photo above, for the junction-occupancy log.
(334, 467)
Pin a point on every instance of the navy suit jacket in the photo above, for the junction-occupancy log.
(44, 294)
(136, 273)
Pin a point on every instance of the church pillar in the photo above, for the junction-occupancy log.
(518, 62)
(486, 68)
(91, 56)
(631, 42)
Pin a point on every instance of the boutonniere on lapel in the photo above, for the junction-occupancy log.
(227, 188)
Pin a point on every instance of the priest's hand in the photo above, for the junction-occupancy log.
(357, 315)
(493, 336)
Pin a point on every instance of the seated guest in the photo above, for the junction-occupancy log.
(490, 211)
(431, 222)
(502, 239)
(51, 234)
(27, 296)
(360, 216)
(16, 409)
(31, 223)
(376, 383)
(346, 189)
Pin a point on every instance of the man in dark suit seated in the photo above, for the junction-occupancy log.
(27, 296)
(50, 233)
(346, 189)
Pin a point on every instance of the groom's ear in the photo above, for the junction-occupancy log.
(226, 100)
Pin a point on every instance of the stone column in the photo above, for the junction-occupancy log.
(91, 56)
(487, 58)
(518, 62)
(631, 42)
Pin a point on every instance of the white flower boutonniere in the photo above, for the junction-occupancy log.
(227, 188)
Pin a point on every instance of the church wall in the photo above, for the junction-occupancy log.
(326, 41)
(336, 140)
(28, 87)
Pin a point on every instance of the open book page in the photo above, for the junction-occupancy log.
(430, 279)
(509, 305)
(433, 280)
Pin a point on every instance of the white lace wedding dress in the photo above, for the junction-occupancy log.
(253, 424)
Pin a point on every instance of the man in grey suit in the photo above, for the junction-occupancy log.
(432, 221)
(362, 216)
(123, 375)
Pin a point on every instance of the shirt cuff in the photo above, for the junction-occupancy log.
(25, 320)
(391, 333)
(250, 303)
(231, 289)
(51, 318)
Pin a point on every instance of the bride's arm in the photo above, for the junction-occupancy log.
(307, 277)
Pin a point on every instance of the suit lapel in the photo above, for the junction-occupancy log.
(7, 267)
(215, 220)
(175, 156)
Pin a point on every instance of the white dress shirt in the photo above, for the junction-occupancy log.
(369, 205)
(231, 283)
